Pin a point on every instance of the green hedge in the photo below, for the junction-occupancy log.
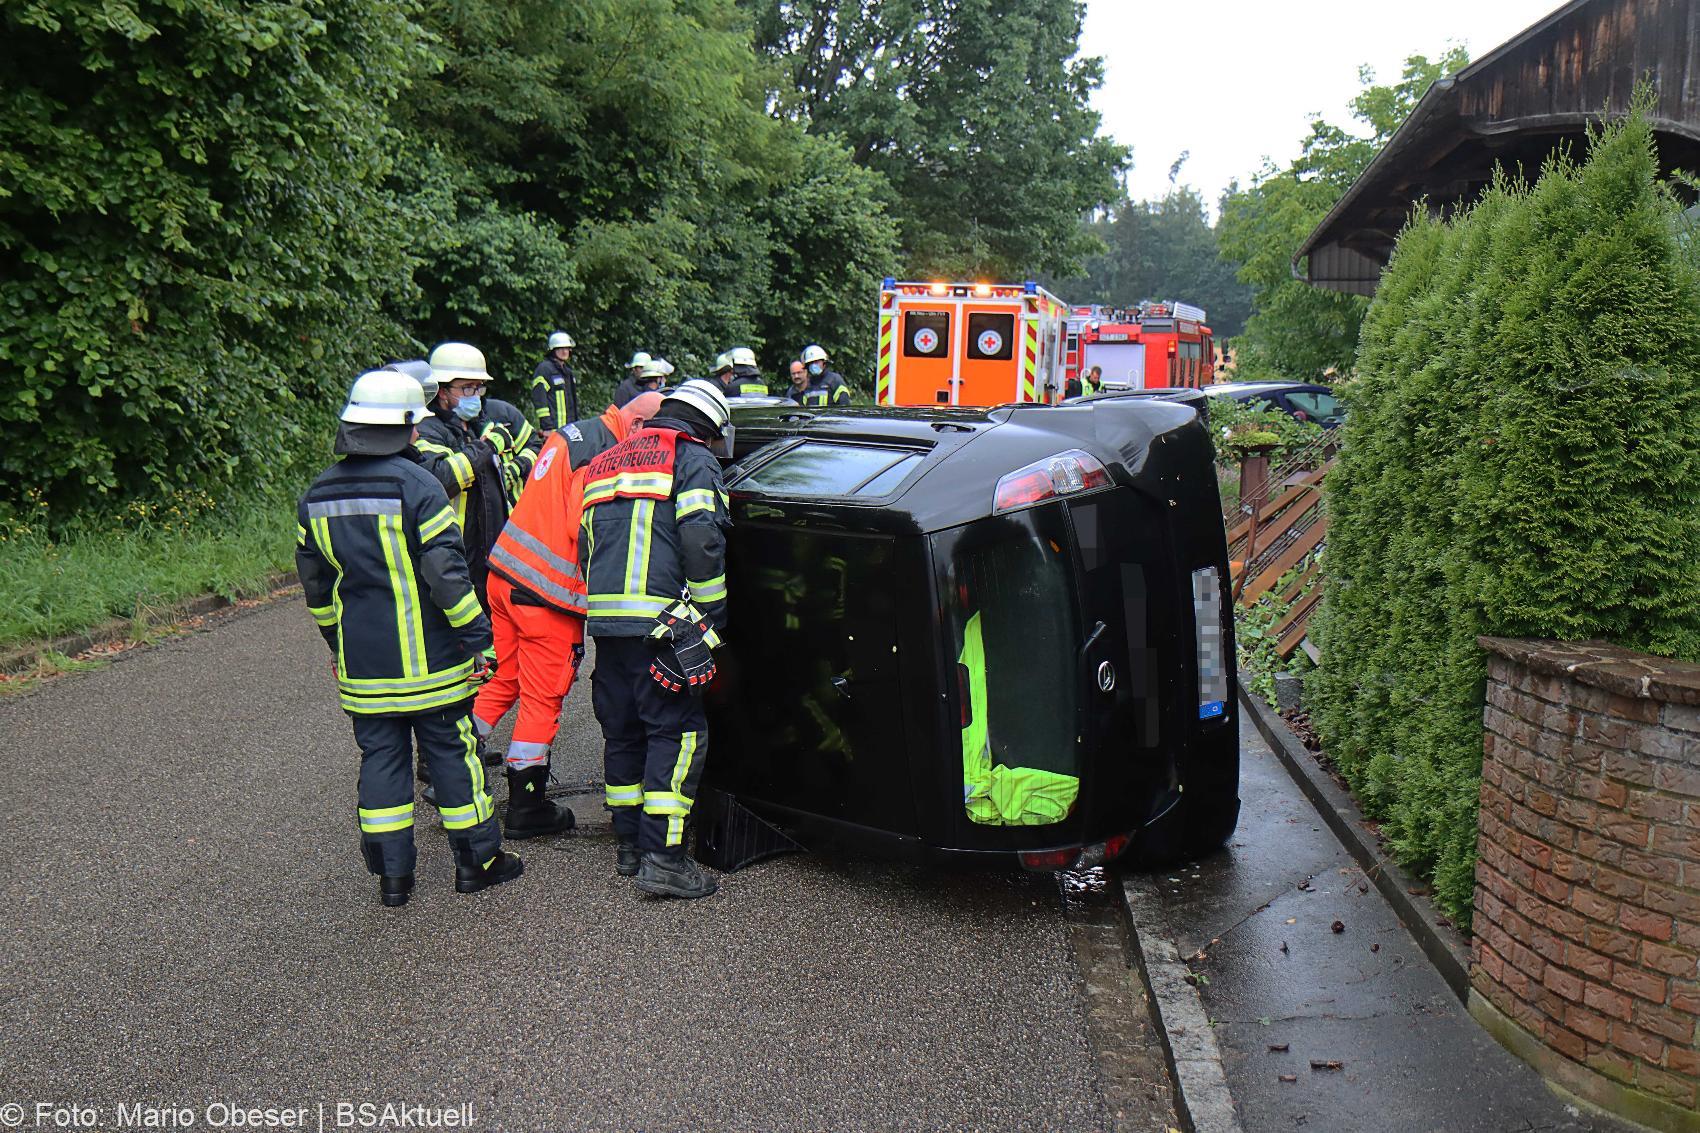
(1520, 458)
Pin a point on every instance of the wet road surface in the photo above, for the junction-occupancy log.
(1274, 974)
(188, 920)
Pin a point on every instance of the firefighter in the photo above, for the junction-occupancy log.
(654, 513)
(722, 373)
(379, 556)
(554, 387)
(825, 386)
(746, 375)
(537, 609)
(629, 387)
(480, 449)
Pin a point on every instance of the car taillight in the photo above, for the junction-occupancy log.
(1207, 630)
(1059, 475)
(1077, 857)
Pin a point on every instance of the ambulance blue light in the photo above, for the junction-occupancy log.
(1031, 287)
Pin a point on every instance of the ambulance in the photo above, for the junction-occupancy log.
(956, 343)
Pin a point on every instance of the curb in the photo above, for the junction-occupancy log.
(1444, 945)
(1202, 1099)
(122, 629)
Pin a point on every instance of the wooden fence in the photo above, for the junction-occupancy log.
(1278, 531)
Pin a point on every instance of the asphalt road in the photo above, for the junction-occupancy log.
(189, 921)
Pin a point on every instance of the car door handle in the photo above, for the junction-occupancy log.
(843, 687)
(1092, 638)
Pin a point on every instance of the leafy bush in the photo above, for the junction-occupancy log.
(1518, 459)
(195, 246)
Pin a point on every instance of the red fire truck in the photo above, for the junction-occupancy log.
(1154, 345)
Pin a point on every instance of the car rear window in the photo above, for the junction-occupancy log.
(820, 468)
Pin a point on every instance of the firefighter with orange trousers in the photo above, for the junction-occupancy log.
(537, 610)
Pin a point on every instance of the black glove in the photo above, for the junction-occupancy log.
(683, 660)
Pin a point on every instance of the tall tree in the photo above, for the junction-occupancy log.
(975, 111)
(608, 166)
(1162, 249)
(196, 248)
(1295, 329)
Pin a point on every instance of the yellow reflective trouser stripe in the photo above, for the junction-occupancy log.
(324, 615)
(618, 794)
(481, 807)
(410, 627)
(637, 547)
(710, 590)
(665, 802)
(464, 611)
(322, 536)
(682, 765)
(436, 525)
(693, 500)
(382, 820)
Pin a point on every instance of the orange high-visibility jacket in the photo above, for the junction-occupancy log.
(538, 549)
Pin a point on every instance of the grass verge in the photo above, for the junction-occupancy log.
(148, 557)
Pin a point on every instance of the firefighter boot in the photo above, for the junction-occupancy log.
(626, 858)
(670, 873)
(395, 890)
(531, 813)
(505, 866)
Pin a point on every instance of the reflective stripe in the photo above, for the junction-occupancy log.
(324, 615)
(525, 753)
(625, 605)
(409, 627)
(532, 577)
(682, 765)
(382, 820)
(464, 611)
(675, 830)
(462, 466)
(436, 525)
(714, 590)
(324, 508)
(711, 639)
(622, 795)
(643, 485)
(300, 534)
(665, 802)
(541, 549)
(693, 500)
(418, 702)
(425, 683)
(459, 817)
(322, 536)
(637, 546)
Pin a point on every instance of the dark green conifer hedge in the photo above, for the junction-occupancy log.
(1522, 457)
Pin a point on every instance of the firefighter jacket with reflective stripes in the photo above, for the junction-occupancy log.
(481, 464)
(827, 390)
(653, 531)
(554, 390)
(538, 549)
(745, 381)
(380, 560)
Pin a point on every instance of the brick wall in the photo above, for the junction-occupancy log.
(1587, 923)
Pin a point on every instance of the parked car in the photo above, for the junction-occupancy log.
(1301, 400)
(975, 634)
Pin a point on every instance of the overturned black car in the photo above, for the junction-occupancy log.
(975, 634)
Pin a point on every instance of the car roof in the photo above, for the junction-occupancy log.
(1261, 387)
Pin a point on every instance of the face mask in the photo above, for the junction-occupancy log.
(468, 408)
(817, 368)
